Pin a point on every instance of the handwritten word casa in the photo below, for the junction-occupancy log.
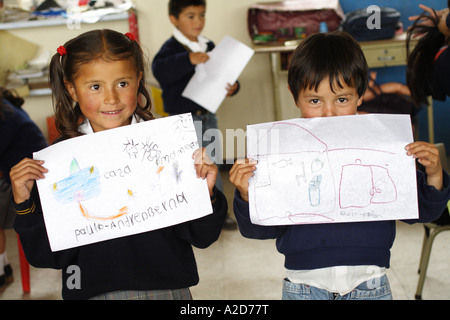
(118, 173)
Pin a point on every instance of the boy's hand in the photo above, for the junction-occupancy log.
(205, 168)
(198, 57)
(427, 154)
(231, 89)
(23, 176)
(241, 171)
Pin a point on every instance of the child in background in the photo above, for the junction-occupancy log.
(20, 137)
(427, 73)
(174, 65)
(98, 78)
(328, 77)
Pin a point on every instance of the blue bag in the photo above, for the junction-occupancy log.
(360, 24)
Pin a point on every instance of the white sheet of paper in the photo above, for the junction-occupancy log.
(208, 85)
(335, 169)
(122, 182)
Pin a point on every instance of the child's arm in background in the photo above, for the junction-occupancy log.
(441, 15)
(170, 65)
(427, 154)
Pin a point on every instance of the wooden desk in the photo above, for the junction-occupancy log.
(379, 54)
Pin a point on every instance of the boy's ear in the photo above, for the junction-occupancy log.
(173, 20)
(360, 101)
(71, 89)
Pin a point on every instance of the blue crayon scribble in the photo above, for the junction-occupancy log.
(82, 185)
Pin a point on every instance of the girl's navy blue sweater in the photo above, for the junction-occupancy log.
(155, 260)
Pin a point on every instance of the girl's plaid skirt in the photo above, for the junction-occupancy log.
(177, 294)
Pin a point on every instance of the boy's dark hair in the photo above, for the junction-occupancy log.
(108, 45)
(336, 56)
(176, 6)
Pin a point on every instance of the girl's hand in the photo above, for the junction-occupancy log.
(205, 168)
(427, 154)
(23, 176)
(241, 171)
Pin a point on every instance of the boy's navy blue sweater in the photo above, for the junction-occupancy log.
(173, 70)
(317, 246)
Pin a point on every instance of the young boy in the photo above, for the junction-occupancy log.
(174, 65)
(328, 77)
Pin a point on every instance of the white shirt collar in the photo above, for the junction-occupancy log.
(200, 46)
(86, 128)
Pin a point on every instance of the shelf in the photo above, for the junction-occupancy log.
(56, 22)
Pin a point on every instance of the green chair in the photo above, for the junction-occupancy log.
(431, 231)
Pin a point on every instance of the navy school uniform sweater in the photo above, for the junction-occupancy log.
(307, 247)
(20, 137)
(154, 260)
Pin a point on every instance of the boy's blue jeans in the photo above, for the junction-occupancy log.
(376, 289)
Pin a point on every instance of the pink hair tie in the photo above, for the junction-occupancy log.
(62, 51)
(131, 36)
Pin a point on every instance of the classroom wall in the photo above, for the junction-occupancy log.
(441, 109)
(254, 103)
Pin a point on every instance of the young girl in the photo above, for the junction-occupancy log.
(98, 80)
